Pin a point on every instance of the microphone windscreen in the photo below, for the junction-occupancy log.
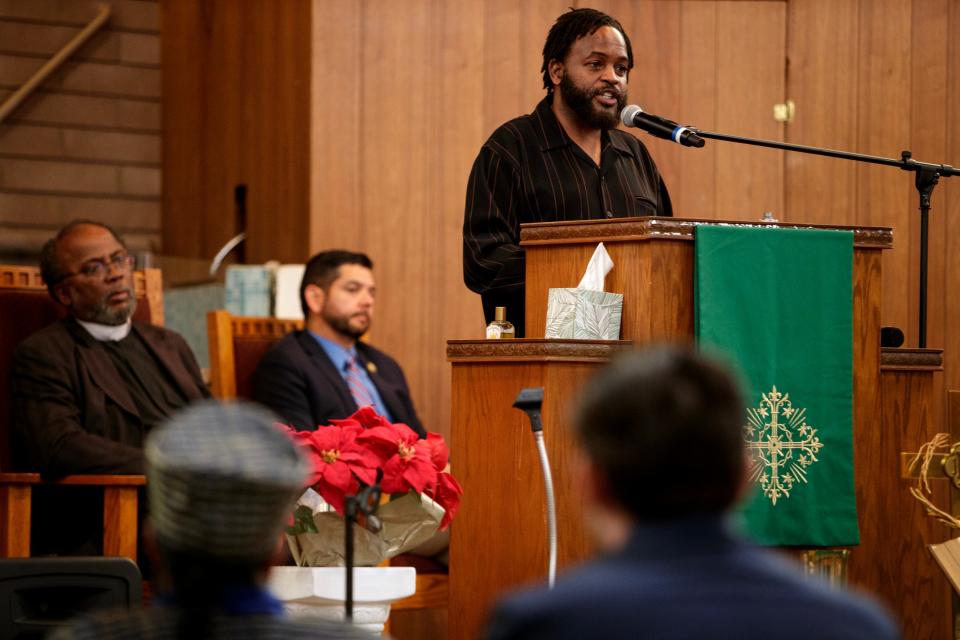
(629, 113)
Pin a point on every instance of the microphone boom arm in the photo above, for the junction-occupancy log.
(928, 174)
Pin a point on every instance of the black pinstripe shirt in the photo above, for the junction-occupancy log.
(531, 171)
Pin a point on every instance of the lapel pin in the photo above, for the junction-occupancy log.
(372, 368)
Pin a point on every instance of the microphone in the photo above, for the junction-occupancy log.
(633, 116)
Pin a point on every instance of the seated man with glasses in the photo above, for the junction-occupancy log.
(87, 389)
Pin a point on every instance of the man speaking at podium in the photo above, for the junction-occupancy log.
(564, 161)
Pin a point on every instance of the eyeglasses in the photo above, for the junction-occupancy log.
(99, 267)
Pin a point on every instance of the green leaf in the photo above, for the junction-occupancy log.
(302, 521)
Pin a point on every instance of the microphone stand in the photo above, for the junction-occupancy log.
(530, 401)
(365, 503)
(927, 176)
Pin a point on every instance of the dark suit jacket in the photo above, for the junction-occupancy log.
(300, 383)
(72, 412)
(689, 579)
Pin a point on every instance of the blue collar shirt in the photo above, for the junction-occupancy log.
(339, 357)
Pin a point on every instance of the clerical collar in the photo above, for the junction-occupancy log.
(107, 332)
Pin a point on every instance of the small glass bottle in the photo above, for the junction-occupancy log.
(500, 329)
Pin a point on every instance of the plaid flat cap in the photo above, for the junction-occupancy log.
(222, 479)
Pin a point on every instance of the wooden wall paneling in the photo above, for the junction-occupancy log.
(751, 51)
(690, 66)
(823, 54)
(695, 195)
(448, 308)
(184, 69)
(536, 18)
(886, 198)
(239, 79)
(505, 81)
(513, 37)
(463, 76)
(928, 121)
(275, 121)
(655, 82)
(220, 129)
(399, 198)
(451, 309)
(337, 97)
(947, 201)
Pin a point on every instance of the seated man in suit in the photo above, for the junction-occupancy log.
(213, 559)
(87, 389)
(665, 461)
(324, 372)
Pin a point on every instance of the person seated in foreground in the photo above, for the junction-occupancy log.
(324, 372)
(222, 482)
(665, 462)
(87, 389)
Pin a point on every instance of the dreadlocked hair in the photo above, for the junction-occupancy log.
(569, 28)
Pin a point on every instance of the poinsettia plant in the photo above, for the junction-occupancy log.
(365, 448)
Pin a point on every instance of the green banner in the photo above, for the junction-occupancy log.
(779, 304)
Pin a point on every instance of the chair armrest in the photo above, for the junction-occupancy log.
(119, 511)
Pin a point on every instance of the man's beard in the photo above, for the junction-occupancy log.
(341, 324)
(581, 103)
(113, 316)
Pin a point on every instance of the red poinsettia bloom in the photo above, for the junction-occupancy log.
(359, 448)
(302, 439)
(339, 463)
(439, 453)
(407, 464)
(446, 493)
(365, 417)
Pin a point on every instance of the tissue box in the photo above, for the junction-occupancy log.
(582, 314)
(248, 290)
(286, 300)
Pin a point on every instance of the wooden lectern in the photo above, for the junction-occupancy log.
(499, 539)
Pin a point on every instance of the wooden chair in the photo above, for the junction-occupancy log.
(237, 343)
(25, 308)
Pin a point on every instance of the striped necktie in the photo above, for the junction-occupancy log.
(353, 376)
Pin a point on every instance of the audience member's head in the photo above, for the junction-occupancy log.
(86, 268)
(337, 294)
(222, 481)
(662, 429)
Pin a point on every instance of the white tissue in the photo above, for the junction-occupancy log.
(597, 270)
